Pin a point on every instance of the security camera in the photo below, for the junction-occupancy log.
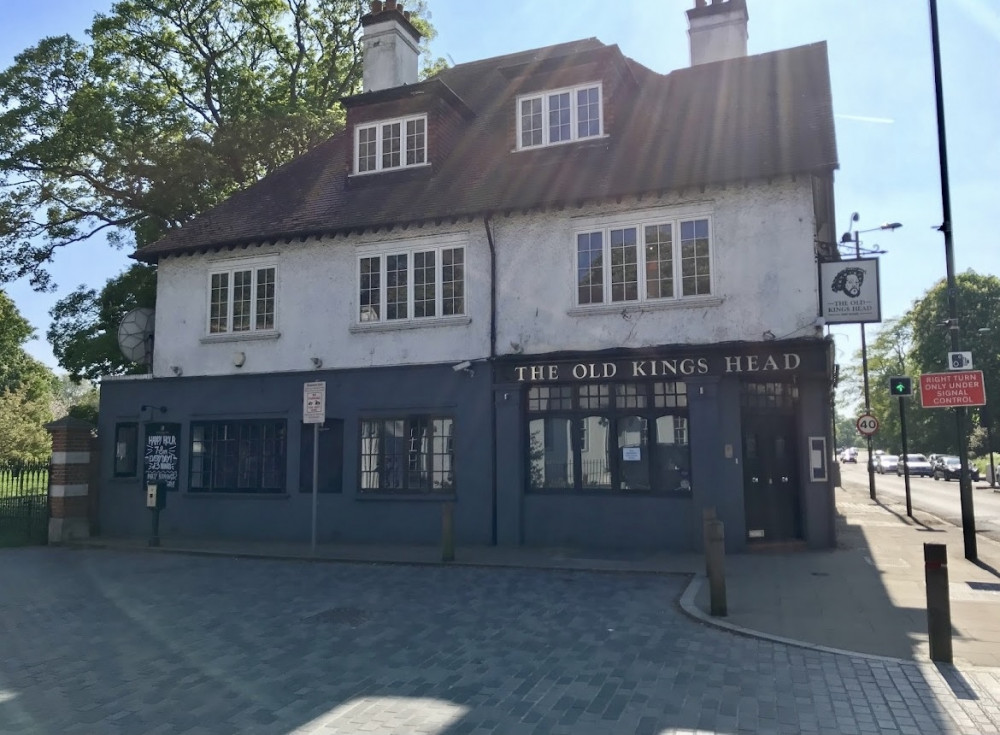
(464, 365)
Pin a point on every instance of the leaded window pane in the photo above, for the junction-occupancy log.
(695, 259)
(590, 267)
(219, 310)
(633, 453)
(424, 277)
(624, 265)
(531, 122)
(559, 117)
(367, 149)
(396, 286)
(550, 398)
(630, 395)
(550, 453)
(659, 261)
(390, 145)
(413, 454)
(242, 290)
(265, 299)
(453, 281)
(670, 394)
(594, 395)
(370, 292)
(247, 456)
(595, 461)
(416, 143)
(672, 454)
(588, 106)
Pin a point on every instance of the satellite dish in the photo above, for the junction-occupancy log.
(135, 335)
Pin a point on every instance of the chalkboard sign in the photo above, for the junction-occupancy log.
(162, 454)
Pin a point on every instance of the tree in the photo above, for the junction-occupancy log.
(78, 399)
(84, 330)
(173, 106)
(978, 300)
(26, 387)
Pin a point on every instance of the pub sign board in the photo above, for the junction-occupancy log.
(162, 455)
(849, 291)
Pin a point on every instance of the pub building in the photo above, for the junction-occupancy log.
(572, 299)
(625, 449)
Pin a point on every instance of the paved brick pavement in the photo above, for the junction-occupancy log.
(111, 642)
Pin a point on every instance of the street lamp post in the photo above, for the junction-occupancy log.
(965, 482)
(853, 235)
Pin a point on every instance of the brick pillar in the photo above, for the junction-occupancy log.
(69, 479)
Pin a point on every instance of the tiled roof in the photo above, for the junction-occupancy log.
(738, 120)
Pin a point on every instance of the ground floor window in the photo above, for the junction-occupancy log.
(126, 446)
(614, 437)
(407, 454)
(246, 456)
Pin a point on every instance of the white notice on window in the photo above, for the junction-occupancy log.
(631, 454)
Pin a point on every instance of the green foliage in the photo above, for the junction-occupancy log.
(919, 343)
(22, 420)
(84, 330)
(172, 107)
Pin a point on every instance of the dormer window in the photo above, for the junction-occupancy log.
(559, 116)
(390, 144)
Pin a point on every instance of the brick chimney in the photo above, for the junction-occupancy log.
(391, 47)
(718, 30)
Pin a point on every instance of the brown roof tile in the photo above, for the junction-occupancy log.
(749, 118)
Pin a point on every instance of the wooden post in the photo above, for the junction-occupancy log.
(707, 516)
(448, 531)
(715, 556)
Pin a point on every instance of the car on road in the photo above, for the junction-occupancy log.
(886, 463)
(849, 455)
(950, 468)
(916, 465)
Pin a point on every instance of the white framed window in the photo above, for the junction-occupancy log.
(390, 144)
(652, 261)
(242, 297)
(411, 284)
(559, 116)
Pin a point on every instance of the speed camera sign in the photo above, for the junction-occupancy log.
(867, 424)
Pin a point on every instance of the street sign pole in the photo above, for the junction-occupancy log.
(314, 412)
(902, 386)
(906, 465)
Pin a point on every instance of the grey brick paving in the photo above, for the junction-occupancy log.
(119, 643)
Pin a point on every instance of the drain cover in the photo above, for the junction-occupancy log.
(985, 586)
(343, 615)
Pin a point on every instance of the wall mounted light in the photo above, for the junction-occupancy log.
(239, 358)
(316, 362)
(176, 370)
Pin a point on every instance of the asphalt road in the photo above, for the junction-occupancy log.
(939, 497)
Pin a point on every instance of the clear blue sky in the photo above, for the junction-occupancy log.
(883, 93)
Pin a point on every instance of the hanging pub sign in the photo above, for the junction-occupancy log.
(849, 291)
(161, 457)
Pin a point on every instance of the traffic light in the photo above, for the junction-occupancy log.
(901, 386)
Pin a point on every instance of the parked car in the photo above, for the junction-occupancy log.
(950, 468)
(849, 455)
(916, 465)
(886, 463)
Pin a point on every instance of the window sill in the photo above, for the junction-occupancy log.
(561, 143)
(633, 307)
(660, 494)
(420, 497)
(446, 321)
(391, 169)
(241, 496)
(240, 336)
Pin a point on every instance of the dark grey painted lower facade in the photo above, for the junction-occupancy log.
(752, 416)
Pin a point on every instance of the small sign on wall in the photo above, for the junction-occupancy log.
(818, 460)
(631, 454)
(162, 455)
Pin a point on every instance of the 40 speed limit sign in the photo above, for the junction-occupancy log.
(867, 424)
